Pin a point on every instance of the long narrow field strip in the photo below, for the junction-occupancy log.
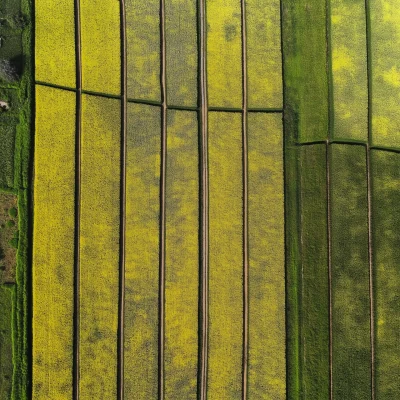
(182, 52)
(267, 366)
(99, 244)
(314, 317)
(142, 251)
(7, 297)
(306, 79)
(264, 58)
(386, 231)
(349, 69)
(350, 274)
(55, 42)
(7, 140)
(182, 256)
(100, 46)
(53, 243)
(224, 65)
(143, 41)
(385, 59)
(226, 257)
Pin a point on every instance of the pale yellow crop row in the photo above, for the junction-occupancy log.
(55, 42)
(99, 247)
(53, 244)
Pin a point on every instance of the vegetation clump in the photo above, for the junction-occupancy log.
(8, 71)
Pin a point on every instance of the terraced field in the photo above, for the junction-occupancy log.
(214, 201)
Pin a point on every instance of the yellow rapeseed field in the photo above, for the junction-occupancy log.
(142, 251)
(349, 69)
(267, 369)
(99, 246)
(101, 55)
(385, 36)
(264, 58)
(53, 244)
(225, 257)
(182, 52)
(182, 256)
(224, 53)
(55, 42)
(143, 40)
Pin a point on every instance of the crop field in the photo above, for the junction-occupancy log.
(199, 199)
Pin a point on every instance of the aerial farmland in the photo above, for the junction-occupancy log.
(199, 199)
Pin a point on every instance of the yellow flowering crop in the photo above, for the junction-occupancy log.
(349, 69)
(142, 251)
(264, 58)
(99, 245)
(267, 369)
(182, 256)
(225, 257)
(53, 244)
(101, 55)
(224, 53)
(55, 42)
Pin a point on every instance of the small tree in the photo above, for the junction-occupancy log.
(8, 71)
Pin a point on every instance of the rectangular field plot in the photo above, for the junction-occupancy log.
(142, 251)
(55, 42)
(385, 54)
(99, 246)
(100, 46)
(306, 79)
(182, 53)
(314, 314)
(53, 243)
(225, 257)
(7, 147)
(267, 366)
(182, 256)
(386, 231)
(349, 69)
(224, 53)
(143, 47)
(350, 274)
(264, 58)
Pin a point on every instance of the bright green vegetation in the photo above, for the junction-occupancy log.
(349, 69)
(386, 231)
(224, 53)
(142, 251)
(7, 294)
(264, 58)
(350, 274)
(267, 335)
(99, 247)
(100, 46)
(314, 315)
(385, 53)
(55, 42)
(182, 256)
(225, 257)
(182, 52)
(143, 46)
(53, 245)
(306, 79)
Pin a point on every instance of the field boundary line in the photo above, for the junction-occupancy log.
(123, 152)
(369, 192)
(76, 322)
(203, 298)
(245, 348)
(163, 81)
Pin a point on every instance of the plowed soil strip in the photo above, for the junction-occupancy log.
(162, 205)
(245, 208)
(204, 203)
(121, 300)
(78, 59)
